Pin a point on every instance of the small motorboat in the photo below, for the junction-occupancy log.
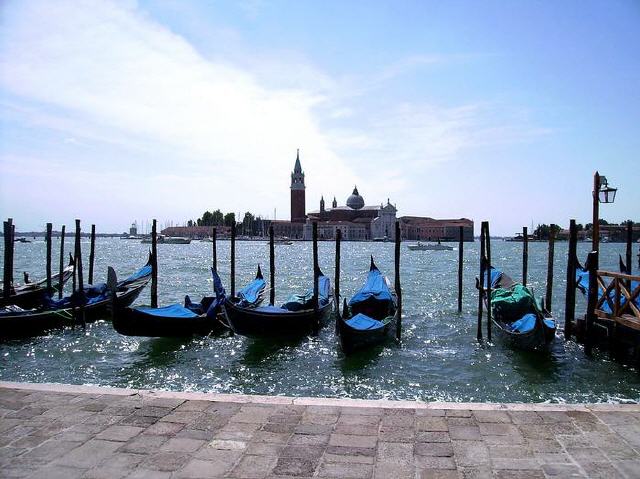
(429, 247)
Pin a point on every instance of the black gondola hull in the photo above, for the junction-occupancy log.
(352, 340)
(132, 322)
(256, 323)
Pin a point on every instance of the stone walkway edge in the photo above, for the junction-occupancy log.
(316, 401)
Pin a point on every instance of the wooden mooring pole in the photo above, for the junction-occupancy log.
(337, 277)
(6, 276)
(316, 271)
(398, 238)
(92, 253)
(481, 283)
(525, 254)
(552, 240)
(487, 238)
(61, 265)
(592, 300)
(233, 259)
(272, 268)
(48, 265)
(154, 264)
(214, 251)
(629, 246)
(570, 295)
(460, 265)
(78, 263)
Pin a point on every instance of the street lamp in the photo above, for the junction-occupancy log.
(606, 194)
(602, 193)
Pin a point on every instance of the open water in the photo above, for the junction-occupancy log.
(438, 358)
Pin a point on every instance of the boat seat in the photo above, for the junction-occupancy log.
(363, 322)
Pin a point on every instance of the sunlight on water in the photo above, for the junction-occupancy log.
(439, 358)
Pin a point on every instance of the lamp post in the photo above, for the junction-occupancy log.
(602, 193)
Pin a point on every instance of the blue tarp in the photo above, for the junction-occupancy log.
(582, 283)
(144, 271)
(272, 309)
(496, 274)
(172, 311)
(524, 324)
(363, 322)
(251, 292)
(375, 288)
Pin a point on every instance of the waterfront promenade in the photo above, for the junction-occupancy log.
(61, 431)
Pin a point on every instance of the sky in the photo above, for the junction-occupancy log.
(115, 111)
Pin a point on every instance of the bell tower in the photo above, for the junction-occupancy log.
(298, 208)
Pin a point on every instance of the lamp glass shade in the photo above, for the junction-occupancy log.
(607, 195)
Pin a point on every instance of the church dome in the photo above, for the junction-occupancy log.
(355, 201)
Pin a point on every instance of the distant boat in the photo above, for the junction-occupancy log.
(131, 237)
(429, 247)
(161, 239)
(284, 241)
(22, 240)
(383, 239)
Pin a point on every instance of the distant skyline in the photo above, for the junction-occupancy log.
(130, 110)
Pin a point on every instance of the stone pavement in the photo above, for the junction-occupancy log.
(61, 431)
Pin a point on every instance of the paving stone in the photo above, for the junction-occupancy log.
(47, 452)
(313, 429)
(431, 424)
(430, 412)
(357, 429)
(178, 444)
(352, 441)
(165, 461)
(144, 444)
(514, 464)
(481, 472)
(271, 437)
(199, 469)
(142, 473)
(264, 449)
(525, 417)
(90, 454)
(432, 436)
(345, 471)
(56, 471)
(586, 455)
(385, 470)
(439, 474)
(461, 421)
(362, 411)
(165, 428)
(320, 419)
(458, 413)
(519, 474)
(119, 433)
(308, 439)
(293, 466)
(398, 452)
(466, 433)
(492, 416)
(184, 417)
(138, 421)
(561, 470)
(251, 467)
(433, 462)
(357, 459)
(351, 451)
(277, 427)
(354, 419)
(498, 429)
(437, 449)
(470, 453)
(602, 470)
(189, 433)
(396, 434)
(507, 451)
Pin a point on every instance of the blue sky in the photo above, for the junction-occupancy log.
(500, 111)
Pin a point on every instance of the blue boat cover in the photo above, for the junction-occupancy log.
(525, 324)
(375, 288)
(144, 271)
(299, 302)
(272, 309)
(251, 292)
(582, 283)
(550, 323)
(171, 311)
(495, 276)
(362, 322)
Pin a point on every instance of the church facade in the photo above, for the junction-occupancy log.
(358, 221)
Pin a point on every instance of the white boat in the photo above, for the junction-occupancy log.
(429, 247)
(160, 239)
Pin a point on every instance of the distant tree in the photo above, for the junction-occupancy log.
(555, 229)
(627, 222)
(588, 227)
(602, 222)
(229, 219)
(207, 218)
(579, 227)
(541, 232)
(199, 221)
(247, 223)
(190, 223)
(218, 218)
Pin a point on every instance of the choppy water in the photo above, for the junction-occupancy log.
(438, 359)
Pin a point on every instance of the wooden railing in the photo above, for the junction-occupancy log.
(627, 312)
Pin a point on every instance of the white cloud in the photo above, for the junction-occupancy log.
(146, 119)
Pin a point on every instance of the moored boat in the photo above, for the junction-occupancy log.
(31, 295)
(370, 317)
(301, 314)
(516, 313)
(95, 301)
(178, 320)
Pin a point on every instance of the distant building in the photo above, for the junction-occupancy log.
(298, 206)
(357, 221)
(197, 231)
(133, 231)
(420, 228)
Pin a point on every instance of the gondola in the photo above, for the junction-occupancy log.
(299, 316)
(31, 295)
(516, 313)
(178, 320)
(95, 300)
(370, 317)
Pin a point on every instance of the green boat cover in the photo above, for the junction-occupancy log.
(513, 303)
